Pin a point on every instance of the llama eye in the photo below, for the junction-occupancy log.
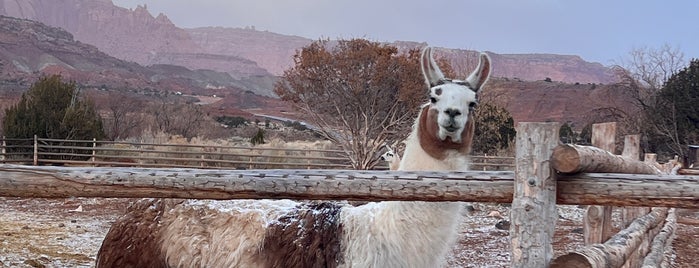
(472, 105)
(433, 100)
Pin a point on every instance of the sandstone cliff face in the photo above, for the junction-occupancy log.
(246, 56)
(565, 68)
(271, 51)
(528, 67)
(136, 35)
(540, 101)
(31, 49)
(132, 35)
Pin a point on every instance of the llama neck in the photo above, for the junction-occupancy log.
(424, 151)
(400, 234)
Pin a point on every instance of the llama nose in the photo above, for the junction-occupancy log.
(452, 112)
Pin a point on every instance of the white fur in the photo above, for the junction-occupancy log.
(384, 234)
(399, 234)
(392, 157)
(415, 234)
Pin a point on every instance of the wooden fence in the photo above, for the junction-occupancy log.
(42, 151)
(537, 185)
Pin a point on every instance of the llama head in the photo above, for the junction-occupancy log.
(389, 155)
(451, 100)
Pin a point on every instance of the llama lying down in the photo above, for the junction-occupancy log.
(283, 233)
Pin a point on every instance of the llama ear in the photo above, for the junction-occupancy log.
(430, 70)
(479, 76)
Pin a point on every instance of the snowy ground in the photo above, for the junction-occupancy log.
(68, 233)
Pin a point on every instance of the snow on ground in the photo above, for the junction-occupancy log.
(68, 232)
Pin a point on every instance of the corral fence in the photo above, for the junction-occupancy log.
(546, 174)
(43, 151)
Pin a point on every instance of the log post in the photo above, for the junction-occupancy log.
(632, 150)
(533, 214)
(4, 149)
(36, 150)
(598, 220)
(94, 151)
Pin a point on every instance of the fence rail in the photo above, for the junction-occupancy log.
(546, 174)
(43, 151)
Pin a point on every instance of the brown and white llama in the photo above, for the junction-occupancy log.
(391, 157)
(283, 233)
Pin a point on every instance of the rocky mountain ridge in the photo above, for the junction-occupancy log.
(136, 35)
(30, 49)
(242, 61)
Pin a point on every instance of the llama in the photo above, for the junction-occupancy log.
(392, 157)
(284, 233)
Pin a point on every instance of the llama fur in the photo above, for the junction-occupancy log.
(284, 233)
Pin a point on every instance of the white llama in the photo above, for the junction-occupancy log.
(392, 157)
(283, 233)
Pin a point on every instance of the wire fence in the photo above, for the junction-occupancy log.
(43, 151)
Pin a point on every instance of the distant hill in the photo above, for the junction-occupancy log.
(136, 35)
(30, 49)
(541, 101)
(243, 64)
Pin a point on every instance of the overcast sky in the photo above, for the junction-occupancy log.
(597, 30)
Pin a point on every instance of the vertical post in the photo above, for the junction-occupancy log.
(533, 213)
(632, 149)
(250, 159)
(4, 149)
(94, 146)
(598, 219)
(36, 151)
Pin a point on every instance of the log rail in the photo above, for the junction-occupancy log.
(472, 186)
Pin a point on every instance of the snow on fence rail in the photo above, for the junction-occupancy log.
(534, 189)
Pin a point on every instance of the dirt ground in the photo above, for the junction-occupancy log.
(68, 233)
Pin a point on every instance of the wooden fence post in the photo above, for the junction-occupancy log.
(533, 213)
(4, 149)
(94, 152)
(36, 151)
(597, 220)
(632, 150)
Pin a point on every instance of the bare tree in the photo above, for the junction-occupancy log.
(651, 67)
(186, 120)
(124, 116)
(642, 76)
(359, 94)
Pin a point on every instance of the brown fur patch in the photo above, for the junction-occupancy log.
(430, 142)
(134, 239)
(307, 237)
